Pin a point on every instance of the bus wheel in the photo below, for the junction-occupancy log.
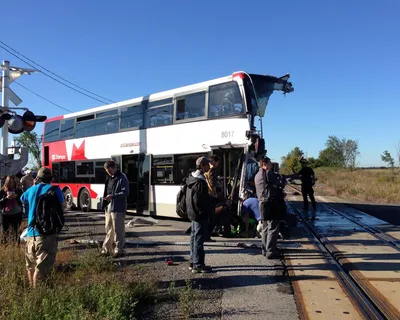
(85, 200)
(69, 200)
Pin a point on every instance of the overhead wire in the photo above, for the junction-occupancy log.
(36, 94)
(16, 53)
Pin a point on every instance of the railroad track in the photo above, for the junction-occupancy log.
(373, 297)
(389, 240)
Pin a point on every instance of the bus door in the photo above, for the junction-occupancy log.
(136, 167)
(231, 170)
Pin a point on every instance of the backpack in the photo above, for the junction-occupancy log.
(181, 200)
(275, 207)
(49, 216)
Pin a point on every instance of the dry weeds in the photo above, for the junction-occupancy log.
(370, 185)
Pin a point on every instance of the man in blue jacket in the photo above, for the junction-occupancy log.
(116, 192)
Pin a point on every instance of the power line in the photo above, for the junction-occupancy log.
(104, 101)
(54, 73)
(45, 99)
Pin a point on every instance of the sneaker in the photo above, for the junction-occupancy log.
(190, 266)
(202, 269)
(118, 254)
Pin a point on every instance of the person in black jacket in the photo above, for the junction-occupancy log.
(11, 209)
(116, 192)
(307, 176)
(199, 208)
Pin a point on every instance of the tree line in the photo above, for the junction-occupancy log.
(338, 153)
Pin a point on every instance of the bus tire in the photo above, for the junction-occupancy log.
(69, 200)
(85, 202)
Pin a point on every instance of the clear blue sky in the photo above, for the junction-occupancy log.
(343, 56)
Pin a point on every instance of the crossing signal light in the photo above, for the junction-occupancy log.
(17, 124)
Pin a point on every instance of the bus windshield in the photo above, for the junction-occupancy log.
(264, 86)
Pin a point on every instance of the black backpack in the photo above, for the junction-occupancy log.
(49, 215)
(181, 200)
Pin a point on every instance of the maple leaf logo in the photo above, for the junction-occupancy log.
(78, 153)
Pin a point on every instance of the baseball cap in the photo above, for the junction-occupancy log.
(44, 172)
(202, 160)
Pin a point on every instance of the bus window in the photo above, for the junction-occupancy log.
(52, 131)
(67, 129)
(191, 106)
(67, 171)
(186, 164)
(84, 168)
(85, 126)
(131, 118)
(160, 116)
(162, 171)
(224, 100)
(106, 125)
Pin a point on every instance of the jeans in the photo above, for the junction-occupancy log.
(10, 224)
(269, 237)
(197, 237)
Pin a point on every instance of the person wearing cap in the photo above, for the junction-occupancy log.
(27, 180)
(199, 209)
(40, 250)
(264, 180)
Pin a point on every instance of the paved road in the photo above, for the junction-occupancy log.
(244, 284)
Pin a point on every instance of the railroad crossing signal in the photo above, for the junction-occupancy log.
(18, 124)
(10, 121)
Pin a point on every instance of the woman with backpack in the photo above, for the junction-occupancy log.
(11, 209)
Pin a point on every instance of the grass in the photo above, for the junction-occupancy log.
(371, 185)
(83, 286)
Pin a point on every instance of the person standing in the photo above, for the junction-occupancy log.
(116, 192)
(11, 209)
(27, 180)
(212, 183)
(266, 181)
(199, 207)
(40, 250)
(307, 176)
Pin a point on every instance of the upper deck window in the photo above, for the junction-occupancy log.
(131, 117)
(85, 126)
(52, 131)
(159, 113)
(106, 122)
(191, 106)
(67, 129)
(225, 100)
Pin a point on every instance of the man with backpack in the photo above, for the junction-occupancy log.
(45, 221)
(199, 209)
(270, 194)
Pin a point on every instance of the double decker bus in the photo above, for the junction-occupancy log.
(156, 140)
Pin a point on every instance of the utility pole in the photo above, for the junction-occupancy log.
(9, 75)
(4, 103)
